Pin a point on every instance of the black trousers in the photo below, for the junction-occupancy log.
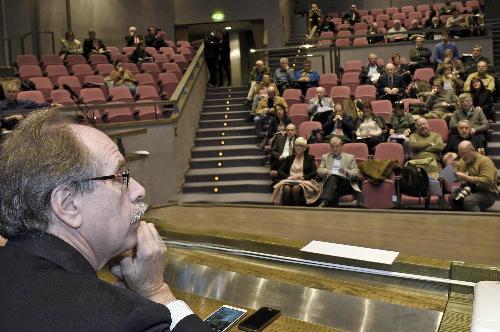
(212, 69)
(334, 187)
(225, 65)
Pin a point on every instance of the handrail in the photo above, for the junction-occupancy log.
(312, 32)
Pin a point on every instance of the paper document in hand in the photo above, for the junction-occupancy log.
(352, 252)
(448, 174)
(322, 109)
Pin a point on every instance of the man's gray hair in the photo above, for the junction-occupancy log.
(284, 60)
(464, 96)
(41, 154)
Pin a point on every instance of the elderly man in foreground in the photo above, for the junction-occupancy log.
(478, 177)
(68, 205)
(341, 173)
(424, 143)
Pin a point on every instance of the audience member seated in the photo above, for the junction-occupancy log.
(2, 94)
(133, 38)
(400, 68)
(11, 103)
(93, 45)
(212, 53)
(442, 46)
(352, 16)
(447, 8)
(159, 40)
(470, 62)
(413, 30)
(441, 102)
(482, 98)
(306, 78)
(370, 73)
(121, 77)
(283, 76)
(277, 124)
(457, 25)
(140, 55)
(478, 177)
(150, 37)
(434, 24)
(450, 79)
(424, 143)
(266, 109)
(420, 56)
(321, 106)
(475, 22)
(369, 128)
(297, 173)
(339, 173)
(400, 125)
(482, 73)
(476, 117)
(70, 45)
(372, 31)
(397, 32)
(390, 85)
(256, 76)
(456, 64)
(314, 16)
(326, 25)
(463, 134)
(428, 22)
(339, 124)
(282, 146)
(261, 91)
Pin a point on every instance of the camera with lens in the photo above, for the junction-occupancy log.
(464, 192)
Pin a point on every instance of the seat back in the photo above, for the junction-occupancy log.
(439, 126)
(26, 59)
(132, 67)
(328, 81)
(360, 41)
(82, 70)
(381, 106)
(44, 85)
(55, 71)
(318, 150)
(147, 92)
(28, 71)
(92, 96)
(72, 81)
(145, 79)
(366, 93)
(378, 196)
(358, 150)
(104, 68)
(298, 119)
(95, 59)
(62, 97)
(390, 151)
(310, 93)
(339, 93)
(73, 59)
(352, 66)
(173, 68)
(424, 74)
(51, 59)
(298, 109)
(120, 93)
(34, 95)
(151, 68)
(306, 127)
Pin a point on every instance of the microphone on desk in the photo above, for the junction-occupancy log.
(72, 92)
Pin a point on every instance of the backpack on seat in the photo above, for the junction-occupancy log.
(414, 181)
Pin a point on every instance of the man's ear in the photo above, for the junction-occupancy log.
(65, 206)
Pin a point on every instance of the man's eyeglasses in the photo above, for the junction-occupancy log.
(123, 176)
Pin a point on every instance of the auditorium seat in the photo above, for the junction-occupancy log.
(145, 79)
(51, 59)
(146, 92)
(72, 81)
(363, 12)
(411, 101)
(180, 59)
(105, 69)
(292, 96)
(151, 50)
(339, 93)
(391, 11)
(344, 42)
(306, 127)
(82, 70)
(343, 27)
(368, 19)
(161, 58)
(95, 59)
(28, 71)
(360, 41)
(298, 119)
(298, 109)
(366, 93)
(74, 59)
(26, 59)
(336, 21)
(399, 16)
(132, 67)
(328, 81)
(325, 43)
(358, 150)
(113, 50)
(351, 79)
(352, 66)
(378, 196)
(424, 74)
(187, 52)
(121, 114)
(390, 151)
(168, 51)
(377, 11)
(360, 32)
(121, 57)
(127, 50)
(472, 3)
(310, 94)
(382, 108)
(184, 43)
(415, 16)
(407, 9)
(97, 81)
(439, 126)
(170, 43)
(168, 83)
(318, 150)
(423, 8)
(56, 71)
(93, 96)
(34, 95)
(44, 85)
(61, 97)
(151, 68)
(146, 112)
(120, 93)
(360, 26)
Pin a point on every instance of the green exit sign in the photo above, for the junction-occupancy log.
(218, 16)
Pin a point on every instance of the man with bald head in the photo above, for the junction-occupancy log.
(321, 106)
(481, 73)
(478, 177)
(370, 73)
(390, 85)
(424, 143)
(283, 146)
(69, 207)
(256, 77)
(266, 108)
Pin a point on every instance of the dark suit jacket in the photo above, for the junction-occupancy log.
(363, 75)
(309, 167)
(347, 126)
(47, 285)
(277, 149)
(88, 46)
(383, 82)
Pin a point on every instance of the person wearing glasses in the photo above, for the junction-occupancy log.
(68, 205)
(297, 172)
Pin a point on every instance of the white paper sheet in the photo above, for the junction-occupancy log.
(351, 252)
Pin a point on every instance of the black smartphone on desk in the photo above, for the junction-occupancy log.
(259, 319)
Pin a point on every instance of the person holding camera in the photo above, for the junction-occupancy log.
(478, 177)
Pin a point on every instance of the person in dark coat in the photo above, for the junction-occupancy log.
(483, 98)
(224, 62)
(212, 54)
